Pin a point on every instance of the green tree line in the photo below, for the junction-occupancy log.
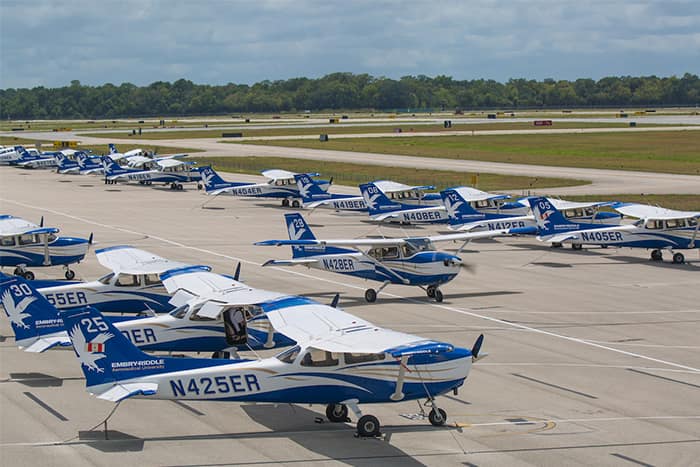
(341, 91)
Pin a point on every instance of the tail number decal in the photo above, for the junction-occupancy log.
(215, 385)
(66, 298)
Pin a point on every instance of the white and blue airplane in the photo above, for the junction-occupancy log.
(77, 163)
(340, 361)
(169, 171)
(382, 209)
(38, 326)
(24, 244)
(657, 229)
(313, 196)
(281, 184)
(133, 286)
(459, 205)
(10, 155)
(44, 160)
(410, 261)
(124, 158)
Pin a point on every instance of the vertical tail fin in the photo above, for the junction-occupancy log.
(30, 314)
(377, 202)
(549, 220)
(458, 209)
(104, 353)
(298, 229)
(113, 149)
(309, 190)
(211, 180)
(109, 165)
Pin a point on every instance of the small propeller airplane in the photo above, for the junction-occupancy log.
(133, 286)
(10, 155)
(281, 184)
(45, 160)
(313, 196)
(74, 165)
(169, 171)
(24, 244)
(240, 325)
(124, 158)
(340, 361)
(657, 229)
(382, 209)
(404, 261)
(459, 204)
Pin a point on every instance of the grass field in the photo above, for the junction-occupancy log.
(667, 152)
(354, 174)
(344, 129)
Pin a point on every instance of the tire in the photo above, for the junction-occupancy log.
(29, 275)
(199, 186)
(17, 272)
(221, 354)
(557, 245)
(368, 426)
(371, 295)
(576, 246)
(438, 296)
(70, 275)
(295, 203)
(431, 291)
(337, 413)
(603, 246)
(437, 417)
(656, 255)
(285, 202)
(180, 187)
(678, 258)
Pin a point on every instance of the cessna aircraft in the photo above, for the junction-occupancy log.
(459, 204)
(24, 244)
(382, 209)
(657, 229)
(339, 361)
(123, 158)
(10, 155)
(38, 326)
(169, 171)
(133, 286)
(404, 261)
(313, 196)
(281, 185)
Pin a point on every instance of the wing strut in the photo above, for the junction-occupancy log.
(403, 367)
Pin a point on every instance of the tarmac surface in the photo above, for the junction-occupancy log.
(594, 357)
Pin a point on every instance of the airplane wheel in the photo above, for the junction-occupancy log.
(371, 295)
(141, 182)
(70, 275)
(656, 255)
(199, 186)
(149, 182)
(557, 245)
(285, 202)
(17, 272)
(180, 187)
(576, 246)
(29, 275)
(295, 203)
(603, 246)
(337, 413)
(678, 258)
(438, 296)
(431, 291)
(368, 426)
(221, 354)
(437, 417)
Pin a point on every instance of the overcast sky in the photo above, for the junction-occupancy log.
(49, 43)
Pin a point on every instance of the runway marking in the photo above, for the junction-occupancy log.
(554, 386)
(664, 378)
(594, 420)
(45, 406)
(341, 284)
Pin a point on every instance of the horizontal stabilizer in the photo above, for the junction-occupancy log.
(119, 392)
(45, 343)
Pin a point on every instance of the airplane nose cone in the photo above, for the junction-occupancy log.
(452, 261)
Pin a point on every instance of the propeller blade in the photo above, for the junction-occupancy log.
(477, 347)
(90, 238)
(41, 222)
(334, 302)
(469, 267)
(237, 273)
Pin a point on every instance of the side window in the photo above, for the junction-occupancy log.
(51, 238)
(288, 356)
(179, 312)
(127, 280)
(391, 252)
(316, 357)
(26, 239)
(671, 223)
(152, 279)
(351, 358)
(654, 224)
(195, 317)
(7, 241)
(692, 222)
(105, 279)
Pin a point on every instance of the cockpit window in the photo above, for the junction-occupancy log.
(179, 312)
(27, 239)
(351, 358)
(51, 238)
(317, 357)
(105, 279)
(127, 280)
(7, 241)
(654, 224)
(288, 356)
(152, 279)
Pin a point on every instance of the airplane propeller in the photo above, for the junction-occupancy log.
(334, 302)
(476, 348)
(237, 273)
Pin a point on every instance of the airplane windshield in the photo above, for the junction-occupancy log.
(179, 312)
(7, 241)
(105, 279)
(318, 357)
(288, 356)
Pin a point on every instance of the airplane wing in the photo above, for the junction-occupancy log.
(456, 237)
(645, 211)
(397, 214)
(197, 281)
(122, 391)
(389, 186)
(45, 343)
(10, 225)
(321, 326)
(129, 260)
(472, 194)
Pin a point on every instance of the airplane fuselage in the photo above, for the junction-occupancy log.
(62, 251)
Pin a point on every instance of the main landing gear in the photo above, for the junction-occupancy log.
(70, 275)
(678, 258)
(20, 271)
(371, 294)
(176, 186)
(286, 202)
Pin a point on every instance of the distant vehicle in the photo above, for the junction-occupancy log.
(341, 361)
(281, 184)
(657, 229)
(24, 244)
(404, 261)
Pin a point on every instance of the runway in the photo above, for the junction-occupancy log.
(593, 355)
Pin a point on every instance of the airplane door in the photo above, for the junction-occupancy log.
(236, 326)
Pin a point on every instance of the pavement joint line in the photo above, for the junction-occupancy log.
(630, 459)
(434, 305)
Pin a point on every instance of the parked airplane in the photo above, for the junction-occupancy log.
(10, 155)
(123, 158)
(657, 229)
(340, 361)
(169, 171)
(404, 261)
(241, 325)
(45, 160)
(459, 204)
(24, 244)
(382, 209)
(74, 165)
(133, 286)
(313, 196)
